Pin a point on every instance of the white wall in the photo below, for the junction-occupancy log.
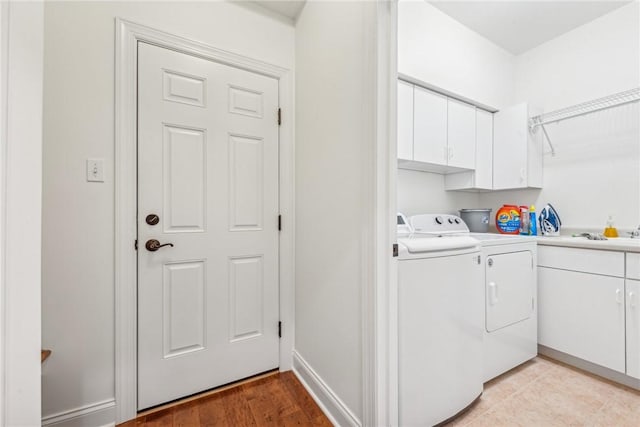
(21, 40)
(334, 152)
(78, 222)
(596, 171)
(423, 192)
(438, 50)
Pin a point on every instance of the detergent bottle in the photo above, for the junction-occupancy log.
(533, 230)
(508, 219)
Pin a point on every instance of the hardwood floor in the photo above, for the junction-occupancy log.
(274, 400)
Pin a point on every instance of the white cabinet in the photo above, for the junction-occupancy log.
(481, 178)
(405, 120)
(429, 127)
(633, 314)
(517, 153)
(461, 134)
(435, 133)
(589, 305)
(582, 314)
(633, 328)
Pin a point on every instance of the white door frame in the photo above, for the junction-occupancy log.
(21, 72)
(380, 364)
(128, 34)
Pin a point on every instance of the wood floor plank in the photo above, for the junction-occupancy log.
(160, 419)
(212, 412)
(278, 399)
(186, 415)
(304, 400)
(237, 408)
(262, 408)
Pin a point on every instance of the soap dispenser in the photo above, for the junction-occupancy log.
(610, 230)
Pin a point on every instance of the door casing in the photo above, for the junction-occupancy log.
(128, 34)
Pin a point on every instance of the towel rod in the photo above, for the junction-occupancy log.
(621, 98)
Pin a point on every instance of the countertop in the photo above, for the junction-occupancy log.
(625, 244)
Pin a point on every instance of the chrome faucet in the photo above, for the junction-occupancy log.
(635, 233)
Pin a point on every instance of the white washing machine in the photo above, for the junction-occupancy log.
(440, 327)
(510, 292)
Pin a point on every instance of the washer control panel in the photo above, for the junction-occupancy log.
(438, 224)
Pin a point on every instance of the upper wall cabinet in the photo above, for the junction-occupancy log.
(481, 178)
(517, 153)
(435, 133)
(405, 120)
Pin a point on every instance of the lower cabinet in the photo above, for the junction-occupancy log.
(633, 328)
(583, 315)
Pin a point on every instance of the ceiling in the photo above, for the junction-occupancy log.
(518, 26)
(288, 8)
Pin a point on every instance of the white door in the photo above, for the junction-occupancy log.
(509, 289)
(430, 127)
(405, 120)
(484, 150)
(461, 134)
(582, 315)
(633, 328)
(208, 172)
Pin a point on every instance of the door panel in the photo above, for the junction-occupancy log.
(509, 294)
(405, 120)
(461, 134)
(633, 328)
(430, 127)
(208, 167)
(582, 315)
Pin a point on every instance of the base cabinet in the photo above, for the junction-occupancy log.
(583, 315)
(633, 328)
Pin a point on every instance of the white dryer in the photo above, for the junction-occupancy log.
(511, 312)
(509, 276)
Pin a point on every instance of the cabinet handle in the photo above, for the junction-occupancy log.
(632, 299)
(450, 153)
(493, 293)
(523, 174)
(618, 296)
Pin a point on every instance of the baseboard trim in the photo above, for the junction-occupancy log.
(584, 365)
(95, 414)
(334, 408)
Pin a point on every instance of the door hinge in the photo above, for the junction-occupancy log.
(279, 116)
(279, 222)
(135, 244)
(395, 249)
(279, 329)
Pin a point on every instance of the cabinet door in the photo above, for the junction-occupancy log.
(582, 315)
(461, 131)
(484, 150)
(405, 120)
(509, 289)
(430, 127)
(633, 328)
(510, 147)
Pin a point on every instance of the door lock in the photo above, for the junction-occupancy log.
(152, 219)
(490, 262)
(153, 245)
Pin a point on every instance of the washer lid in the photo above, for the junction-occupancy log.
(428, 243)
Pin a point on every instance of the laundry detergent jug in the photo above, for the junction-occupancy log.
(508, 219)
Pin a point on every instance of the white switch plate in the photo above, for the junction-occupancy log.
(95, 170)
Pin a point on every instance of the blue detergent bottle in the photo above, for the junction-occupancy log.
(533, 229)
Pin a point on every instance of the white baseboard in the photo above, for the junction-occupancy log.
(101, 414)
(334, 408)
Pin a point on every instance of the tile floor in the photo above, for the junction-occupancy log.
(546, 393)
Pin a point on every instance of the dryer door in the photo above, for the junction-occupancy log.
(509, 291)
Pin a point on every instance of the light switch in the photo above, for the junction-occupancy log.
(95, 170)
